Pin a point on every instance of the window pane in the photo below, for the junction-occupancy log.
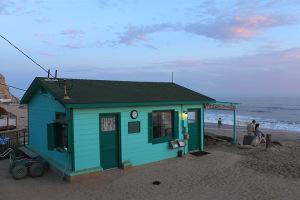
(162, 124)
(108, 124)
(62, 130)
(191, 117)
(65, 135)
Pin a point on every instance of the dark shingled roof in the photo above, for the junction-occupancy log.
(102, 91)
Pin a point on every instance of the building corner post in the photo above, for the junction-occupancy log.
(202, 129)
(234, 126)
(70, 152)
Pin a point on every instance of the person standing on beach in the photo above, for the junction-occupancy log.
(258, 133)
(251, 128)
(219, 122)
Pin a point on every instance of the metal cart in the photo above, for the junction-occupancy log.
(23, 161)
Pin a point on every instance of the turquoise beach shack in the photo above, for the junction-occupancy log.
(86, 126)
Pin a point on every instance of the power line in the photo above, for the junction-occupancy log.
(26, 55)
(13, 87)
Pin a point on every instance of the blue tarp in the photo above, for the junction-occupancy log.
(4, 140)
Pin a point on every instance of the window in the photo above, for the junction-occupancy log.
(163, 126)
(108, 124)
(191, 117)
(58, 132)
(62, 131)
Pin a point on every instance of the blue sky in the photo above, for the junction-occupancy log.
(220, 48)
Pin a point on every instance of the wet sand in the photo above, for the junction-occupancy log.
(227, 130)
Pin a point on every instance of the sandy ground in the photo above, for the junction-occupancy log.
(226, 173)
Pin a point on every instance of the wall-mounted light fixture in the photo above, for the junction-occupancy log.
(184, 115)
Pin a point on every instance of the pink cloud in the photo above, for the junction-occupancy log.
(136, 35)
(47, 54)
(239, 32)
(73, 33)
(237, 27)
(292, 55)
(246, 27)
(133, 35)
(12, 7)
(74, 46)
(274, 60)
(150, 46)
(257, 20)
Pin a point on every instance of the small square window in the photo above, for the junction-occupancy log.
(192, 117)
(108, 124)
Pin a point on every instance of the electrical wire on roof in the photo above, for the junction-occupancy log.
(26, 55)
(13, 87)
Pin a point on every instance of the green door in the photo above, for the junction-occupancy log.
(194, 129)
(109, 141)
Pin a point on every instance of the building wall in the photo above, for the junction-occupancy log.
(18, 110)
(134, 147)
(41, 111)
(6, 120)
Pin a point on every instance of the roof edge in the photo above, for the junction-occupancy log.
(33, 88)
(195, 92)
(39, 82)
(134, 104)
(83, 79)
(226, 103)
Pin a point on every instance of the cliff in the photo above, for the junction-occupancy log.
(4, 91)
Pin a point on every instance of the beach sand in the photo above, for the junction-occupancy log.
(228, 172)
(278, 160)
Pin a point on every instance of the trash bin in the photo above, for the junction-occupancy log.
(180, 153)
(248, 140)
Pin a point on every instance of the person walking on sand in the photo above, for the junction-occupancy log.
(251, 128)
(219, 122)
(258, 133)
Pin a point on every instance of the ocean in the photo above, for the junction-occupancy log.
(272, 113)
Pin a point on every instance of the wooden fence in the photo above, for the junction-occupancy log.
(13, 138)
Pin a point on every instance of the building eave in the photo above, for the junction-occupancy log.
(136, 104)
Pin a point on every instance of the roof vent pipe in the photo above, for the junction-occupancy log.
(66, 96)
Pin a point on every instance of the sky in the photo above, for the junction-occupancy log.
(228, 48)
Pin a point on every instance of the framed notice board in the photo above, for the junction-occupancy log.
(134, 127)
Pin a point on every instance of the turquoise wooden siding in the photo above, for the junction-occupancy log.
(41, 111)
(134, 147)
(86, 139)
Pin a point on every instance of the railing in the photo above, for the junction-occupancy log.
(12, 139)
(6, 128)
(8, 153)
